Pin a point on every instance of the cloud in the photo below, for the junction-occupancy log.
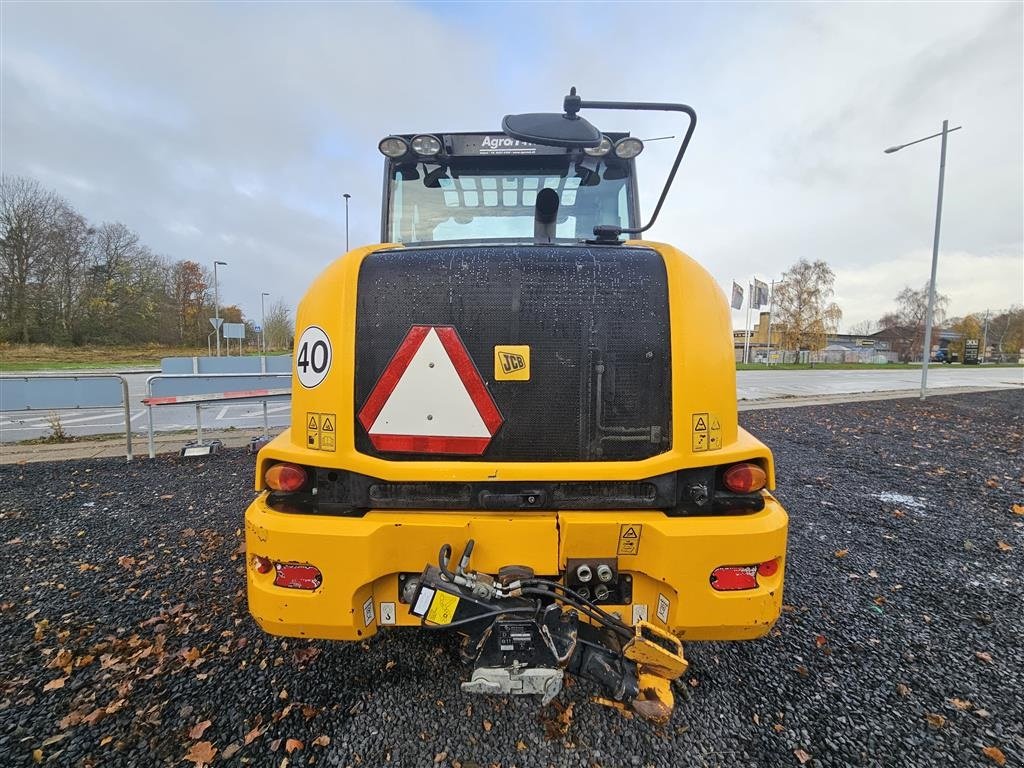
(230, 131)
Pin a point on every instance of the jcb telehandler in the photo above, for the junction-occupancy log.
(513, 419)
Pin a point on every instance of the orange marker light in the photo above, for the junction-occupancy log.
(286, 477)
(744, 478)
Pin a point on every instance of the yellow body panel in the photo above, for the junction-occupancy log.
(360, 557)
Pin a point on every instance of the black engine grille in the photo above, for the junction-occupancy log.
(596, 321)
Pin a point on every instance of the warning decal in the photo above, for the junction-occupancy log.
(368, 611)
(663, 606)
(431, 398)
(443, 608)
(320, 431)
(387, 613)
(629, 538)
(707, 432)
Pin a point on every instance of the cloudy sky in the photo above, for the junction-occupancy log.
(230, 130)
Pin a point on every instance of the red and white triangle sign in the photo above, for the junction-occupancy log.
(431, 398)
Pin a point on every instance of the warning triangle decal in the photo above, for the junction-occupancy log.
(312, 424)
(328, 425)
(431, 398)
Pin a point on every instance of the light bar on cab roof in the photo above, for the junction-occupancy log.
(393, 147)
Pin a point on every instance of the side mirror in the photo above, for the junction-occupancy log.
(552, 130)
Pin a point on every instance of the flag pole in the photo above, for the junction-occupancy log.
(771, 306)
(746, 343)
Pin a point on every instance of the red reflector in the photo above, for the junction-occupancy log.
(296, 576)
(285, 477)
(744, 478)
(261, 564)
(728, 578)
(768, 568)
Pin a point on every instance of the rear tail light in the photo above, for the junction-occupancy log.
(729, 578)
(732, 578)
(744, 478)
(297, 576)
(286, 477)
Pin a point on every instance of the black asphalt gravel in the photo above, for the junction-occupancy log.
(123, 625)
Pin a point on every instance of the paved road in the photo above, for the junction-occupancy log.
(751, 385)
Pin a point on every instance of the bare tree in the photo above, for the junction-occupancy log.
(804, 310)
(27, 216)
(279, 328)
(912, 311)
(864, 328)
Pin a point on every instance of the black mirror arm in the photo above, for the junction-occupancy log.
(605, 230)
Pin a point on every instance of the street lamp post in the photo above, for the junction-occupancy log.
(346, 196)
(263, 322)
(926, 351)
(216, 302)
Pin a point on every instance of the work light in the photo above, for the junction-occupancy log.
(426, 145)
(393, 147)
(601, 149)
(628, 148)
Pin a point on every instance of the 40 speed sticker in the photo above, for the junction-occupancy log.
(313, 357)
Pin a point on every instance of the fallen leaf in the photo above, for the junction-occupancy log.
(230, 751)
(251, 736)
(982, 712)
(983, 656)
(994, 754)
(488, 725)
(802, 756)
(199, 729)
(898, 513)
(820, 640)
(293, 744)
(440, 757)
(321, 741)
(778, 727)
(1003, 546)
(960, 704)
(802, 670)
(840, 553)
(202, 752)
(934, 720)
(55, 684)
(389, 665)
(106, 740)
(873, 573)
(757, 719)
(1017, 509)
(521, 745)
(903, 690)
(167, 496)
(37, 755)
(275, 745)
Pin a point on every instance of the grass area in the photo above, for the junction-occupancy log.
(862, 366)
(43, 357)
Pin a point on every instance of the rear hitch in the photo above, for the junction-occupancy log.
(523, 634)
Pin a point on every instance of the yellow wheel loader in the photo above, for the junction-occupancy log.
(516, 420)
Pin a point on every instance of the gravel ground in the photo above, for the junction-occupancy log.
(124, 638)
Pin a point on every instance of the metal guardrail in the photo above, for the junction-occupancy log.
(199, 388)
(59, 392)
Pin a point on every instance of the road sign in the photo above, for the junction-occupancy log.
(257, 329)
(216, 322)
(431, 398)
(234, 330)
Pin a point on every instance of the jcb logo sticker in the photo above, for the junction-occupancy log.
(512, 362)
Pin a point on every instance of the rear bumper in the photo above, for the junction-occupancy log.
(670, 560)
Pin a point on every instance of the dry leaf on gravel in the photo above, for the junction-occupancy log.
(1017, 509)
(842, 552)
(521, 745)
(202, 752)
(802, 756)
(37, 755)
(230, 751)
(199, 729)
(934, 720)
(994, 754)
(252, 735)
(983, 656)
(959, 704)
(903, 690)
(488, 725)
(1003, 546)
(292, 745)
(321, 741)
(820, 640)
(440, 757)
(55, 684)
